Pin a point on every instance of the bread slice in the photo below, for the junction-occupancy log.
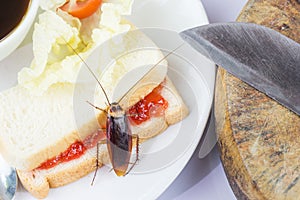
(38, 182)
(34, 127)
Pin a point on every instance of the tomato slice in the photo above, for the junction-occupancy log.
(81, 8)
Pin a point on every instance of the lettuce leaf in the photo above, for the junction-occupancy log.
(57, 36)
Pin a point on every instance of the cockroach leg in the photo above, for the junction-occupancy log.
(97, 159)
(137, 148)
(97, 165)
(111, 169)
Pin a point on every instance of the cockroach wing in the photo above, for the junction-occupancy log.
(119, 143)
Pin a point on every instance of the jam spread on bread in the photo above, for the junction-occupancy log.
(153, 105)
(74, 151)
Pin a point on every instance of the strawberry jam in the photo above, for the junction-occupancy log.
(74, 151)
(153, 105)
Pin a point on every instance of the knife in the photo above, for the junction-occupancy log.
(259, 56)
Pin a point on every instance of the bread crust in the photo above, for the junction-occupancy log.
(56, 177)
(64, 173)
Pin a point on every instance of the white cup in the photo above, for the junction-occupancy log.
(11, 41)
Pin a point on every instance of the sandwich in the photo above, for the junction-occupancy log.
(49, 132)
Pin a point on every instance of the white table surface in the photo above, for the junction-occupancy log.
(204, 179)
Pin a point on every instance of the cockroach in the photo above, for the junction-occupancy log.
(119, 138)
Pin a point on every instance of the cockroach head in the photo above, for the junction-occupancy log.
(115, 110)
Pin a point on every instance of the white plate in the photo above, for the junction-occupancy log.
(192, 74)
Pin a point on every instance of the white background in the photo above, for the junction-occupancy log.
(204, 179)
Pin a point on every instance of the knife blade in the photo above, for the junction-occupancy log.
(259, 56)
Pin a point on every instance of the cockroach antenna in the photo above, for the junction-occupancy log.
(152, 68)
(90, 70)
